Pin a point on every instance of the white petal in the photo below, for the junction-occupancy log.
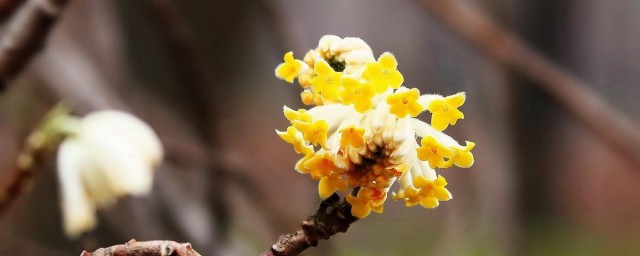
(78, 212)
(327, 41)
(426, 99)
(423, 129)
(126, 170)
(334, 114)
(403, 131)
(427, 171)
(132, 129)
(350, 44)
(389, 129)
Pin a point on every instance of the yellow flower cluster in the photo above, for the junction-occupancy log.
(361, 133)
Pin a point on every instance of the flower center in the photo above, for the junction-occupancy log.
(337, 66)
(329, 80)
(371, 171)
(405, 100)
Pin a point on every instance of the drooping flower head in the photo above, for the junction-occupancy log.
(363, 131)
(105, 155)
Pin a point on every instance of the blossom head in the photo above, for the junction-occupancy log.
(360, 135)
(106, 155)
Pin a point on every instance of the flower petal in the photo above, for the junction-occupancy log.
(388, 61)
(78, 212)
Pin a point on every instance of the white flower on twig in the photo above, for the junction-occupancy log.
(106, 155)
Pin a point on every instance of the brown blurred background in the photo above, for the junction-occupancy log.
(201, 73)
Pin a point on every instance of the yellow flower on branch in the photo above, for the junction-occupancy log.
(370, 146)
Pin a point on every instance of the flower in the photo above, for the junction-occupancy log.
(383, 74)
(432, 151)
(106, 155)
(357, 93)
(294, 137)
(290, 69)
(405, 102)
(360, 133)
(327, 81)
(445, 111)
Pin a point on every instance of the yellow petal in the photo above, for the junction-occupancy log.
(456, 100)
(388, 61)
(415, 108)
(378, 209)
(326, 187)
(465, 160)
(360, 211)
(288, 57)
(429, 202)
(363, 105)
(436, 105)
(322, 68)
(442, 194)
(372, 70)
(379, 84)
(440, 181)
(395, 79)
(439, 122)
(454, 115)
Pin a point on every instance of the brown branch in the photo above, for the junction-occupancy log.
(147, 248)
(332, 216)
(573, 94)
(7, 7)
(14, 183)
(25, 36)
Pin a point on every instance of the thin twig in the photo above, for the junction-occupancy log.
(13, 184)
(572, 93)
(332, 216)
(147, 248)
(25, 36)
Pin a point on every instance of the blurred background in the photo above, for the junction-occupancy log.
(201, 73)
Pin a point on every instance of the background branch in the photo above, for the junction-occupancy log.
(570, 92)
(7, 7)
(332, 216)
(14, 183)
(25, 36)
